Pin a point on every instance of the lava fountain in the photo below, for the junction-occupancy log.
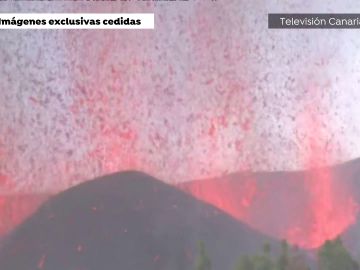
(305, 207)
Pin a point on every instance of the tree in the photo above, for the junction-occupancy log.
(283, 260)
(245, 263)
(261, 261)
(203, 261)
(297, 260)
(334, 256)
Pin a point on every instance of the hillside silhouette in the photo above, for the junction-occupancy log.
(127, 221)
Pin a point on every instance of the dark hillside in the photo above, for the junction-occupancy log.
(127, 221)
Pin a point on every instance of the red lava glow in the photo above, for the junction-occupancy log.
(331, 207)
(15, 208)
(323, 210)
(233, 197)
(323, 206)
(331, 211)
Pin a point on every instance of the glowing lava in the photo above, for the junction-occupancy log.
(304, 208)
(310, 207)
(331, 211)
(233, 197)
(331, 206)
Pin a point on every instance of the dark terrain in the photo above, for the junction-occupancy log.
(126, 221)
(137, 222)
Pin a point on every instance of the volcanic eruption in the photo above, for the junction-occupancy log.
(126, 221)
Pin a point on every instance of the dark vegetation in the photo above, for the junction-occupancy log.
(331, 256)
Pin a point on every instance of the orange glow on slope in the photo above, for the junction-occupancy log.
(331, 211)
(331, 207)
(314, 206)
(233, 197)
(14, 209)
(320, 209)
